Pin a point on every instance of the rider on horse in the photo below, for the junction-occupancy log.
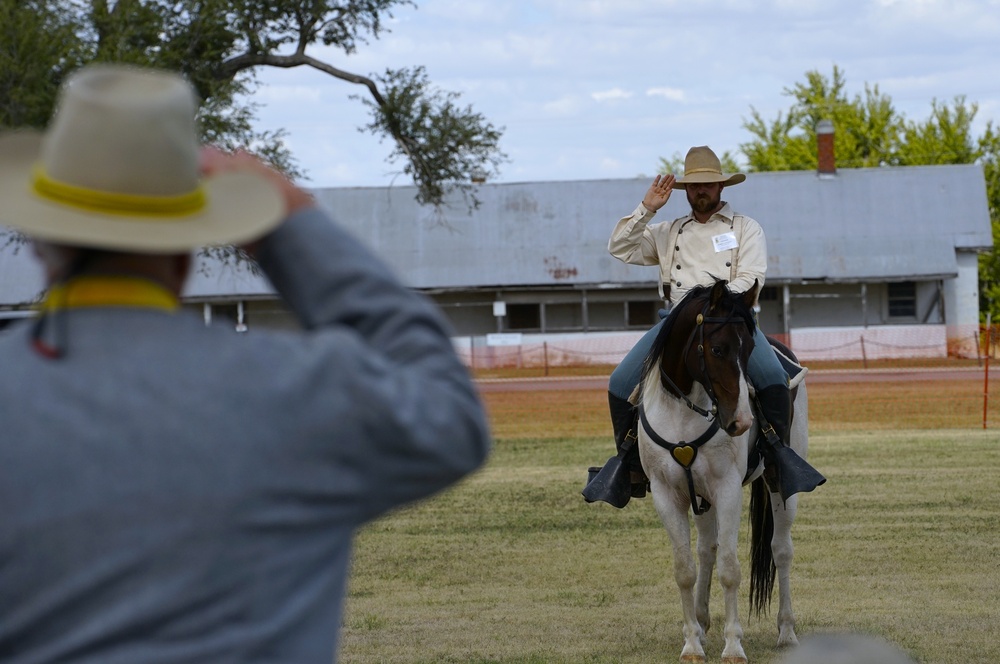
(712, 242)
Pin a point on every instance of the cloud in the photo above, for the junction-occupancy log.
(938, 16)
(908, 3)
(461, 11)
(610, 165)
(614, 94)
(562, 107)
(537, 51)
(673, 94)
(589, 10)
(560, 73)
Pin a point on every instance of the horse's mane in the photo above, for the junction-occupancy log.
(696, 294)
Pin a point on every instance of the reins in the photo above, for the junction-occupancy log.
(684, 453)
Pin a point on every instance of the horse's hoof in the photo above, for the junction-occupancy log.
(734, 660)
(693, 659)
(787, 638)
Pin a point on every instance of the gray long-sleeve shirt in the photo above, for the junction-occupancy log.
(171, 492)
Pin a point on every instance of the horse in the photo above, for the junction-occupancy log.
(694, 391)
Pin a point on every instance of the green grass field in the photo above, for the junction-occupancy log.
(513, 567)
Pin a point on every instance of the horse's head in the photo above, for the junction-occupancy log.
(707, 340)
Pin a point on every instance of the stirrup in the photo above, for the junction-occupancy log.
(609, 484)
(639, 482)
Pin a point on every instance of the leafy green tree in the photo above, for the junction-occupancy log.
(871, 133)
(38, 48)
(427, 125)
(219, 45)
(868, 127)
(944, 138)
(989, 263)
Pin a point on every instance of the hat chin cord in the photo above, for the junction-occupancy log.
(50, 333)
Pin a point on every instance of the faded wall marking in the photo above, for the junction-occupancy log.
(558, 270)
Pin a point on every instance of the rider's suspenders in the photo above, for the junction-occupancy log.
(736, 226)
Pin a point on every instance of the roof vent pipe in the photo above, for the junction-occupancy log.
(826, 163)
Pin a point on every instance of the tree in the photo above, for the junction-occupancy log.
(38, 48)
(219, 45)
(870, 133)
(868, 127)
(989, 263)
(427, 127)
(944, 138)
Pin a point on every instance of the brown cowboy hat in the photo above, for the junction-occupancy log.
(701, 165)
(118, 169)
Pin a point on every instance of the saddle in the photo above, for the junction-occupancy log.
(796, 372)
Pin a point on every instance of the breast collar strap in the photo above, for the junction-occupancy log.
(683, 453)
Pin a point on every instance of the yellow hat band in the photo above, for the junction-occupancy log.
(115, 203)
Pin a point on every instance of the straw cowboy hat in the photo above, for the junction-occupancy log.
(118, 169)
(701, 165)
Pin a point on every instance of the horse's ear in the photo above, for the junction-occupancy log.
(750, 297)
(719, 291)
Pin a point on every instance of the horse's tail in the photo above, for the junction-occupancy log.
(762, 569)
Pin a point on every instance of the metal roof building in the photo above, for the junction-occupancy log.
(861, 224)
(877, 246)
(836, 244)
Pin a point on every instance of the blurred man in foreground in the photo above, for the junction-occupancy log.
(173, 492)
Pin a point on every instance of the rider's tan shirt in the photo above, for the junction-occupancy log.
(728, 246)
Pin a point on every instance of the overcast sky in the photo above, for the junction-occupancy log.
(595, 89)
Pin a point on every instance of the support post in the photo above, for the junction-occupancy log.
(986, 372)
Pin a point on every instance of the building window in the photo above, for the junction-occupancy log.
(639, 313)
(903, 300)
(768, 294)
(563, 316)
(524, 317)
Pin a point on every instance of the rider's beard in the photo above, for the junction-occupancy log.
(703, 203)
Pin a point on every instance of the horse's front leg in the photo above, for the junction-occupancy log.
(708, 548)
(675, 520)
(729, 506)
(782, 552)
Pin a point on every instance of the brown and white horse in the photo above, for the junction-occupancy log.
(697, 428)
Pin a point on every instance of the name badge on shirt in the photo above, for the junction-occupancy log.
(725, 242)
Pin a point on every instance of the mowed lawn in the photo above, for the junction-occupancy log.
(513, 567)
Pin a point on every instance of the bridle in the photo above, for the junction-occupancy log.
(684, 453)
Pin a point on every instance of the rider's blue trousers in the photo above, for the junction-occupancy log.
(764, 369)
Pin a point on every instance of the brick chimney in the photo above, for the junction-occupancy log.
(824, 147)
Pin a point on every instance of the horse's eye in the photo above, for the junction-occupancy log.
(717, 351)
